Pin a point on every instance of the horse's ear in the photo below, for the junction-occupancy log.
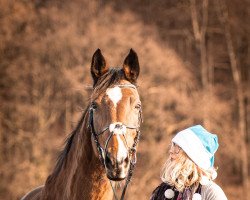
(131, 66)
(98, 65)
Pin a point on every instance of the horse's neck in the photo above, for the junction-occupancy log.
(82, 175)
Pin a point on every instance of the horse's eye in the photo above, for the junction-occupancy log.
(94, 105)
(138, 106)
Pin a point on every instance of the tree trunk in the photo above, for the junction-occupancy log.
(200, 37)
(223, 16)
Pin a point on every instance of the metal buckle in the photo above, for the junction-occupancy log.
(133, 155)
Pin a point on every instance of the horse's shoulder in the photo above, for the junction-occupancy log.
(33, 194)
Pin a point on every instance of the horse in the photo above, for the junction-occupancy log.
(102, 147)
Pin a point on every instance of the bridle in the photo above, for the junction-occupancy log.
(102, 151)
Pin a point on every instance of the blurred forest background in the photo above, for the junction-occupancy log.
(194, 57)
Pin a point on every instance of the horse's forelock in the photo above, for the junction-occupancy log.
(112, 77)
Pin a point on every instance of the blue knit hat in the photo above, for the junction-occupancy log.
(198, 144)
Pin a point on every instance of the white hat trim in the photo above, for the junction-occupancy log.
(193, 147)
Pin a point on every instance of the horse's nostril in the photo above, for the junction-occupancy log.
(108, 161)
(126, 160)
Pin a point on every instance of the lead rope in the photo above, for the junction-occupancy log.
(132, 163)
(116, 198)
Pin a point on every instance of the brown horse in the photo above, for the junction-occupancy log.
(103, 145)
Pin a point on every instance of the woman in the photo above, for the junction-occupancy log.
(189, 171)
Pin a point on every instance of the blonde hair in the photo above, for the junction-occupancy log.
(182, 172)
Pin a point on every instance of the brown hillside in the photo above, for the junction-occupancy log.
(45, 53)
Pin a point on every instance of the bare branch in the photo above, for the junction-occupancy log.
(195, 24)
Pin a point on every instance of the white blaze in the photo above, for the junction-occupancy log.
(115, 94)
(118, 132)
(122, 151)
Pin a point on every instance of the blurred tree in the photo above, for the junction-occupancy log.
(200, 35)
(45, 51)
(240, 94)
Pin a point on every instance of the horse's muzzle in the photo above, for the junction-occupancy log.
(117, 169)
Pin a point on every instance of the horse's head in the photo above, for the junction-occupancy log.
(115, 113)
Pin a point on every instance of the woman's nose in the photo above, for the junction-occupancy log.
(171, 150)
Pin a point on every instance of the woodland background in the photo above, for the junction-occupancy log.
(194, 57)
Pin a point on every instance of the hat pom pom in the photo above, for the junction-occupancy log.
(196, 196)
(204, 180)
(169, 193)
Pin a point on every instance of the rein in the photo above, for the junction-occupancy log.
(131, 150)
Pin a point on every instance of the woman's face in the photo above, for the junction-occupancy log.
(174, 151)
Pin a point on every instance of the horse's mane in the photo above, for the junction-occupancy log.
(68, 143)
(112, 77)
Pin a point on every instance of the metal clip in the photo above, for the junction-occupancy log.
(133, 155)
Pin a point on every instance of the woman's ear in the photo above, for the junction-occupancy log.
(131, 66)
(98, 66)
